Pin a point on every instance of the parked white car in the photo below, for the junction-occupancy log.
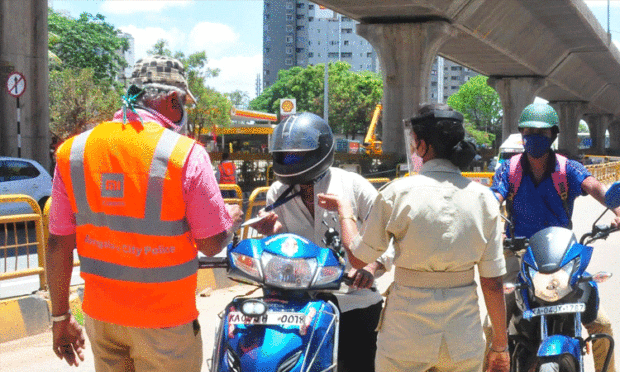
(23, 176)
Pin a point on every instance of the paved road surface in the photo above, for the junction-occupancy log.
(35, 354)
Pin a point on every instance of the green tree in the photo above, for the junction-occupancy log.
(87, 42)
(352, 95)
(238, 98)
(77, 101)
(481, 107)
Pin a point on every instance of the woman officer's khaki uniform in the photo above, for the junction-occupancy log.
(443, 225)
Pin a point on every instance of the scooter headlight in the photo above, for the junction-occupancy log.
(247, 264)
(287, 272)
(328, 274)
(552, 287)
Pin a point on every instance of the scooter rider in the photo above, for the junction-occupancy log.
(534, 202)
(303, 152)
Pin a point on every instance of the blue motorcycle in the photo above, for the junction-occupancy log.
(556, 295)
(293, 327)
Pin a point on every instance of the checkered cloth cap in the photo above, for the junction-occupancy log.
(161, 70)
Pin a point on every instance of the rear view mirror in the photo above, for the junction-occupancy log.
(612, 196)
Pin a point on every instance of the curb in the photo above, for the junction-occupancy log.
(30, 315)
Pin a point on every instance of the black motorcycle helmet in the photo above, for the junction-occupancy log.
(302, 149)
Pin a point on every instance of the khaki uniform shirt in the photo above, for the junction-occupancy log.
(440, 221)
(296, 219)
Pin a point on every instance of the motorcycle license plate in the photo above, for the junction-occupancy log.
(557, 309)
(269, 318)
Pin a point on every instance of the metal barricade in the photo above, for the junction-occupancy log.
(256, 202)
(378, 182)
(605, 173)
(238, 193)
(485, 178)
(18, 245)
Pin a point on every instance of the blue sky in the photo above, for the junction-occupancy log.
(230, 31)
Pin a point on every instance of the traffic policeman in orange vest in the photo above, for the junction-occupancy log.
(138, 200)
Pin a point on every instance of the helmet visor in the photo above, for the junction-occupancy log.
(294, 138)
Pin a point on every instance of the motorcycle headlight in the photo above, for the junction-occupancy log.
(552, 287)
(328, 274)
(287, 272)
(247, 264)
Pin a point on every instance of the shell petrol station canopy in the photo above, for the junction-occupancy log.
(240, 116)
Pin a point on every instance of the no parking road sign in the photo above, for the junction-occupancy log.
(16, 84)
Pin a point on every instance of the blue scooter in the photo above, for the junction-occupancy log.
(293, 327)
(556, 296)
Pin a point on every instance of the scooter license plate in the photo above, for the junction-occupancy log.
(557, 309)
(269, 318)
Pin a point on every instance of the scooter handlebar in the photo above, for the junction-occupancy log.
(212, 262)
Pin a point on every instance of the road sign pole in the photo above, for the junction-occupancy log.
(19, 131)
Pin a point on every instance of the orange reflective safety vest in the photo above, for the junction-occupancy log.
(227, 172)
(137, 257)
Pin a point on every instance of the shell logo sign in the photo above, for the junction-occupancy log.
(288, 106)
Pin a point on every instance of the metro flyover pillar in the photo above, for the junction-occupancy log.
(570, 112)
(515, 92)
(406, 52)
(614, 136)
(598, 124)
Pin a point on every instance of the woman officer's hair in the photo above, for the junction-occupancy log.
(442, 128)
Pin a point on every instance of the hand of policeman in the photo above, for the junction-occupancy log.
(334, 203)
(361, 278)
(498, 361)
(266, 226)
(69, 341)
(236, 214)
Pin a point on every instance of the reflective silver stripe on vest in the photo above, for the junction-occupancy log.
(138, 274)
(151, 224)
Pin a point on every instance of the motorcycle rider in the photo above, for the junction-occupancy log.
(303, 152)
(536, 204)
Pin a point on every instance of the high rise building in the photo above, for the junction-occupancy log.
(447, 77)
(301, 33)
(129, 55)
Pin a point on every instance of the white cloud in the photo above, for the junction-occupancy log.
(214, 38)
(236, 73)
(617, 42)
(145, 38)
(130, 7)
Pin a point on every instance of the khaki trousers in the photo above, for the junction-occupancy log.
(600, 325)
(118, 348)
(444, 364)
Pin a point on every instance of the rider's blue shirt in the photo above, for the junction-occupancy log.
(536, 207)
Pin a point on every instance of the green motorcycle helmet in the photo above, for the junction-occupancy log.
(539, 115)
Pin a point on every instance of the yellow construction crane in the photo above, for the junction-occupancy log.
(371, 145)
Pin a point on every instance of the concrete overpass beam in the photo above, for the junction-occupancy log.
(598, 124)
(570, 112)
(515, 92)
(406, 52)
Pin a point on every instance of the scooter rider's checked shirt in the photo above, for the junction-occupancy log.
(295, 218)
(536, 207)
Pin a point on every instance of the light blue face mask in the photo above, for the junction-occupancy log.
(536, 145)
